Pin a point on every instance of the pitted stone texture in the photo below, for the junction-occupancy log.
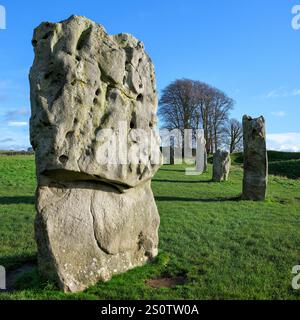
(255, 159)
(93, 219)
(221, 166)
(82, 81)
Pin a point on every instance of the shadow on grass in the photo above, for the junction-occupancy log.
(12, 262)
(28, 277)
(172, 170)
(183, 199)
(17, 200)
(182, 181)
(22, 273)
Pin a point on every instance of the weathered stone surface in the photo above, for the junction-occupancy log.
(255, 159)
(83, 81)
(221, 166)
(205, 160)
(94, 218)
(87, 232)
(201, 156)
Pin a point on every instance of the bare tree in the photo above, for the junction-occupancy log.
(189, 104)
(221, 106)
(178, 105)
(204, 96)
(214, 107)
(233, 135)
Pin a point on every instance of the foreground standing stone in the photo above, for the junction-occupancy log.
(221, 166)
(95, 218)
(255, 159)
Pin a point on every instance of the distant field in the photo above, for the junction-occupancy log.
(15, 153)
(289, 168)
(224, 247)
(286, 164)
(237, 157)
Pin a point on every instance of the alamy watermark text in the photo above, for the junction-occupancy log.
(2, 278)
(2, 17)
(296, 19)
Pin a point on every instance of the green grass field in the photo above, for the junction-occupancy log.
(226, 248)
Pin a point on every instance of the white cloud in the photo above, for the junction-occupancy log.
(16, 114)
(14, 138)
(7, 85)
(6, 140)
(289, 141)
(17, 123)
(282, 93)
(278, 113)
(273, 94)
(4, 84)
(296, 92)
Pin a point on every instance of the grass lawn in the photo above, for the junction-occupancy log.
(227, 249)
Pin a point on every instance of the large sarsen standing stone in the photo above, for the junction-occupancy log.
(255, 159)
(94, 217)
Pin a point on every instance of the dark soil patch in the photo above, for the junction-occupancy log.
(166, 282)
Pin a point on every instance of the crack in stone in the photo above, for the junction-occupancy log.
(94, 224)
(113, 84)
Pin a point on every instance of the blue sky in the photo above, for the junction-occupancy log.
(246, 48)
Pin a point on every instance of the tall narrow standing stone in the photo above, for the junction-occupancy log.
(205, 160)
(201, 152)
(255, 159)
(221, 166)
(91, 93)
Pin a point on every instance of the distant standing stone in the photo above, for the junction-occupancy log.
(221, 166)
(255, 159)
(205, 160)
(201, 153)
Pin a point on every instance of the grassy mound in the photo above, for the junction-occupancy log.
(286, 164)
(283, 156)
(290, 168)
(237, 157)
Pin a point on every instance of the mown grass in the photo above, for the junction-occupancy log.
(227, 248)
(17, 187)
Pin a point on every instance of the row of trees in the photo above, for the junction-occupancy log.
(189, 104)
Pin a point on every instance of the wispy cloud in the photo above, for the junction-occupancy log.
(14, 138)
(17, 123)
(289, 141)
(4, 84)
(14, 127)
(272, 94)
(17, 113)
(296, 92)
(282, 92)
(278, 113)
(6, 140)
